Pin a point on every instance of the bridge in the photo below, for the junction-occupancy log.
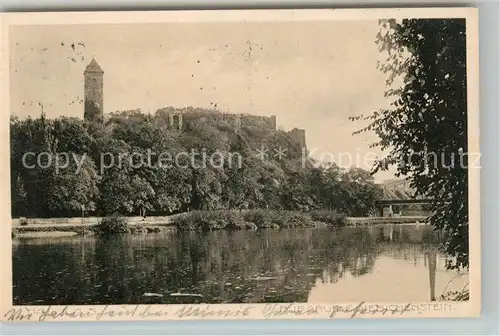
(397, 192)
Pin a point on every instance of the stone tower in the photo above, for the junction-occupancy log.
(94, 85)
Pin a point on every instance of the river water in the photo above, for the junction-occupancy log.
(380, 263)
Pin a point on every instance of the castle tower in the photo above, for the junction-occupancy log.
(94, 85)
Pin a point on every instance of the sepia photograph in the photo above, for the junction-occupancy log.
(166, 164)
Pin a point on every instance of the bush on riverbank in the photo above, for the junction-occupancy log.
(212, 220)
(50, 230)
(113, 224)
(257, 219)
(330, 217)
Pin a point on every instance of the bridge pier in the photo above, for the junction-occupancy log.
(380, 210)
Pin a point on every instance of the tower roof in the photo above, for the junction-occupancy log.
(93, 67)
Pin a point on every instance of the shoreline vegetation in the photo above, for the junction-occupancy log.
(135, 163)
(197, 221)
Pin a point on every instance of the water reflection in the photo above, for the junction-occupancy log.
(388, 263)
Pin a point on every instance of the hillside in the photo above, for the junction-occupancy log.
(397, 189)
(136, 163)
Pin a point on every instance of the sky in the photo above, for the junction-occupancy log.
(311, 75)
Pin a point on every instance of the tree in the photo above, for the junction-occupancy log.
(116, 194)
(297, 192)
(38, 189)
(71, 134)
(140, 168)
(242, 188)
(142, 195)
(172, 186)
(327, 180)
(124, 191)
(73, 188)
(425, 129)
(206, 189)
(360, 184)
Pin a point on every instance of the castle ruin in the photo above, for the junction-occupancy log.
(94, 110)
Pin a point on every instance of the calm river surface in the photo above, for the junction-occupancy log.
(381, 263)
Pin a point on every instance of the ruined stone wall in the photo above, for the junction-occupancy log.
(299, 136)
(178, 118)
(247, 120)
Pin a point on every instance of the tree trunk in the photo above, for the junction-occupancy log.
(432, 274)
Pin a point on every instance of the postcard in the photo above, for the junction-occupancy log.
(240, 164)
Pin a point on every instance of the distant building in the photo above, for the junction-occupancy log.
(93, 92)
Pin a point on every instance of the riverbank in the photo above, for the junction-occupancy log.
(91, 221)
(194, 220)
(202, 220)
(368, 221)
(58, 227)
(73, 230)
(258, 219)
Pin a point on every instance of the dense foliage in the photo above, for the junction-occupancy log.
(114, 224)
(425, 130)
(257, 219)
(113, 179)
